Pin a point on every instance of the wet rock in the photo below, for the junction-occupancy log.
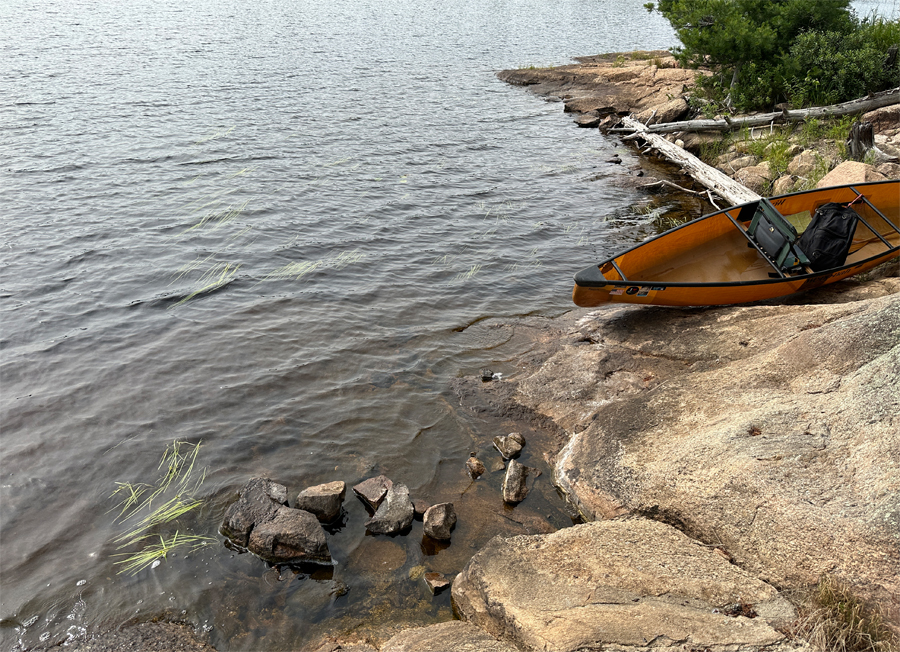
(624, 582)
(515, 484)
(395, 514)
(292, 536)
(436, 582)
(509, 445)
(420, 507)
(474, 467)
(487, 375)
(439, 521)
(324, 501)
(258, 502)
(373, 490)
(453, 635)
(589, 120)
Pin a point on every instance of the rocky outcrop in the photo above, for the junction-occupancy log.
(628, 584)
(613, 83)
(770, 431)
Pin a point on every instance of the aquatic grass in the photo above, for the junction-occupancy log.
(298, 270)
(179, 476)
(151, 554)
(217, 276)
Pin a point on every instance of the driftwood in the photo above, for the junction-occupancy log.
(718, 182)
(876, 101)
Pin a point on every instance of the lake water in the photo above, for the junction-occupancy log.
(281, 230)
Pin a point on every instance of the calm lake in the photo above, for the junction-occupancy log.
(278, 230)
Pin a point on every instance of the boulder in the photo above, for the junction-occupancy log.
(395, 513)
(515, 483)
(292, 536)
(883, 119)
(889, 170)
(631, 583)
(373, 491)
(439, 521)
(454, 635)
(803, 164)
(324, 501)
(783, 185)
(756, 177)
(258, 502)
(671, 111)
(510, 445)
(850, 172)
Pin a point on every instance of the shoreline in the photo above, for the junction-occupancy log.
(593, 369)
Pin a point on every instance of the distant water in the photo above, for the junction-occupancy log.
(281, 229)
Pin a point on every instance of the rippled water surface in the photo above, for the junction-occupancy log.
(279, 229)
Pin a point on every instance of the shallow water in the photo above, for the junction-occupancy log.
(280, 230)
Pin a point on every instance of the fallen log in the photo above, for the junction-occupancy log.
(719, 182)
(876, 101)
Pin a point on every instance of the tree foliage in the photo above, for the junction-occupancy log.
(767, 51)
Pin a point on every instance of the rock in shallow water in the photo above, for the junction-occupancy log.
(515, 484)
(395, 514)
(373, 491)
(323, 501)
(292, 536)
(258, 502)
(474, 467)
(509, 445)
(439, 521)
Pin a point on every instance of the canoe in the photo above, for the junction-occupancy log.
(727, 257)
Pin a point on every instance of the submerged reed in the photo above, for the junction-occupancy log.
(135, 504)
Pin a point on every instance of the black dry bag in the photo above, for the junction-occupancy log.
(827, 239)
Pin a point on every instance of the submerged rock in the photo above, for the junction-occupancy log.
(509, 445)
(395, 514)
(436, 582)
(439, 521)
(373, 490)
(324, 501)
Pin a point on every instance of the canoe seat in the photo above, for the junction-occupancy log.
(775, 236)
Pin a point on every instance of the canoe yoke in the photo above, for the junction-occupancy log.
(774, 237)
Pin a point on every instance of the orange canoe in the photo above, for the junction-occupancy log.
(729, 257)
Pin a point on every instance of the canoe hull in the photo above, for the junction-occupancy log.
(715, 250)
